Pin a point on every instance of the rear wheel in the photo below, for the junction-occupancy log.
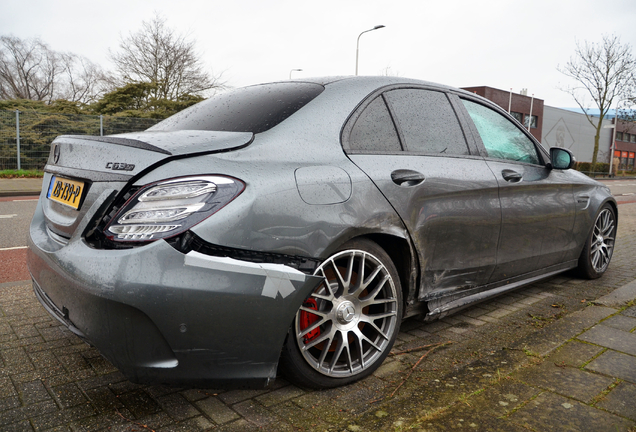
(347, 326)
(599, 246)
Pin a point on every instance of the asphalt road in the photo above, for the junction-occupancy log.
(15, 216)
(16, 213)
(623, 190)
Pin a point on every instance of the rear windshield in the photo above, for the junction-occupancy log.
(248, 109)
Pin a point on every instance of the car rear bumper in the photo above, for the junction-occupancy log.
(162, 316)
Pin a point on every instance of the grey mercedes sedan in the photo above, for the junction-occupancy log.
(292, 226)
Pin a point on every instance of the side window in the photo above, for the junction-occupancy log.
(501, 137)
(427, 121)
(374, 130)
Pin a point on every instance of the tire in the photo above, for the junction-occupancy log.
(347, 326)
(599, 246)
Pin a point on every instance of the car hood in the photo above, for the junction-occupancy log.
(126, 155)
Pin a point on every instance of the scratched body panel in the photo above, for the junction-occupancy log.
(173, 311)
(213, 302)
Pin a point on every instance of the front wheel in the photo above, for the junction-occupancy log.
(599, 246)
(347, 326)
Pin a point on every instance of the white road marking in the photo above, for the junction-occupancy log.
(13, 248)
(25, 200)
(8, 216)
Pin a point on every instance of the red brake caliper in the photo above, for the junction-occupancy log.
(307, 319)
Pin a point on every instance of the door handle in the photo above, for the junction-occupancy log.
(511, 176)
(404, 177)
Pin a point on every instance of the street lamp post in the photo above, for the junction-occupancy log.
(358, 43)
(613, 144)
(294, 70)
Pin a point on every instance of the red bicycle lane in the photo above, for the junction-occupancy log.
(13, 266)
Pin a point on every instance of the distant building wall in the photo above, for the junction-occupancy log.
(625, 147)
(563, 128)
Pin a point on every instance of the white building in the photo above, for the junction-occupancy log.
(572, 130)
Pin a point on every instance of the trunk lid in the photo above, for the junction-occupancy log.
(131, 153)
(102, 166)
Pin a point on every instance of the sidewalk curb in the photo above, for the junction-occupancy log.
(20, 186)
(619, 297)
(5, 194)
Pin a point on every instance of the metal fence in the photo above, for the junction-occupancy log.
(26, 136)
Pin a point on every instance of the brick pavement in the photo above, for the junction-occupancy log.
(542, 358)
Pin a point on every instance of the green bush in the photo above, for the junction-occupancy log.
(601, 167)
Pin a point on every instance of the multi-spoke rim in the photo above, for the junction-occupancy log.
(352, 315)
(602, 240)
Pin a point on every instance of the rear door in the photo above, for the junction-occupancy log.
(537, 203)
(410, 143)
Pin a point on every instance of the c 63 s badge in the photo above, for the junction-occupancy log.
(120, 166)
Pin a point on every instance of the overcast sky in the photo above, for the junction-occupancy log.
(496, 43)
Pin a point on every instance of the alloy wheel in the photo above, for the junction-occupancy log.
(602, 240)
(349, 321)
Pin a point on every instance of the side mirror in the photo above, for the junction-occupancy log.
(561, 158)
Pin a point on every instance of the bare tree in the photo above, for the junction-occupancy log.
(603, 71)
(156, 54)
(28, 69)
(81, 80)
(388, 71)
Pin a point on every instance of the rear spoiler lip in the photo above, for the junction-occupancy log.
(172, 143)
(128, 142)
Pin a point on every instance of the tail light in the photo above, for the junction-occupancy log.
(170, 207)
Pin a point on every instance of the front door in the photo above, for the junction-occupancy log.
(537, 203)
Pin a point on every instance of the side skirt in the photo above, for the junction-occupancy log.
(492, 290)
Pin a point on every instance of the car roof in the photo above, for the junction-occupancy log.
(371, 81)
(382, 81)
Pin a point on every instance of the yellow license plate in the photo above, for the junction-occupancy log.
(66, 191)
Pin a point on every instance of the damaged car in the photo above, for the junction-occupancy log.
(292, 226)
